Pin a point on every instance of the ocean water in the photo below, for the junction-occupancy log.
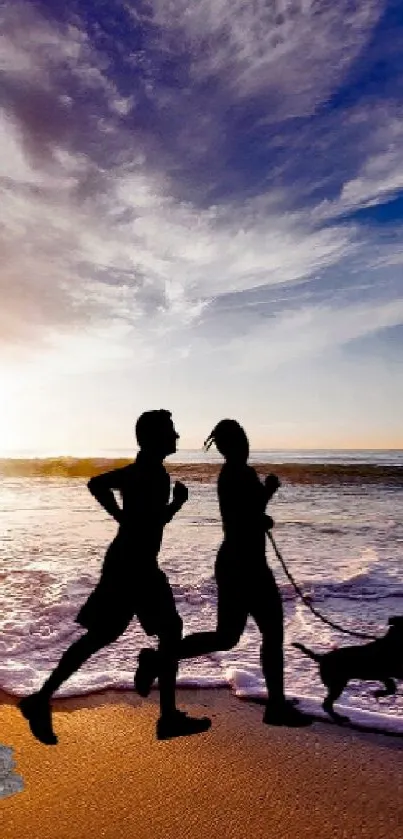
(342, 541)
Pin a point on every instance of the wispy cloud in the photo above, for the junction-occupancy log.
(191, 160)
(379, 173)
(294, 53)
(309, 331)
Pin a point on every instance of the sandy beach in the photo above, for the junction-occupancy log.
(109, 777)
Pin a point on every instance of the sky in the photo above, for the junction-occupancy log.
(201, 210)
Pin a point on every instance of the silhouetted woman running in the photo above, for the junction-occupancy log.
(245, 584)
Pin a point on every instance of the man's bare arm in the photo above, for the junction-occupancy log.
(102, 486)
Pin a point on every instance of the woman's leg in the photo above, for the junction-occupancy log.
(232, 611)
(231, 621)
(267, 610)
(232, 615)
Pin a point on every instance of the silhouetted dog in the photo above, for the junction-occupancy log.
(379, 661)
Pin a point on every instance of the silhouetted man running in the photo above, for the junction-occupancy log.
(245, 584)
(131, 582)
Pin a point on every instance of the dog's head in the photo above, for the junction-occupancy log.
(396, 625)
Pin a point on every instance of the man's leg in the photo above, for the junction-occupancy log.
(167, 653)
(172, 722)
(158, 616)
(36, 708)
(267, 611)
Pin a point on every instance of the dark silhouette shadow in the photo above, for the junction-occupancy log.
(245, 583)
(131, 583)
(347, 724)
(378, 661)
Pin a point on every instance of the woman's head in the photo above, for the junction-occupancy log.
(230, 439)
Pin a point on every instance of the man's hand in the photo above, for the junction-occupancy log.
(180, 493)
(179, 496)
(272, 483)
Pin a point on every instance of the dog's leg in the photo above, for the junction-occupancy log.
(335, 690)
(390, 688)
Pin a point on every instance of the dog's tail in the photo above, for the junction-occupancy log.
(310, 653)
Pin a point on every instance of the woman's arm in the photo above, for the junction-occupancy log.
(240, 495)
(271, 485)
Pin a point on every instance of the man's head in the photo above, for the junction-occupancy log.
(230, 439)
(156, 433)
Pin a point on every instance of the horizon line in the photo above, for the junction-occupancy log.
(125, 453)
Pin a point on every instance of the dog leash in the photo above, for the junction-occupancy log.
(306, 601)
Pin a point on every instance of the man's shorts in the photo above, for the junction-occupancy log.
(116, 600)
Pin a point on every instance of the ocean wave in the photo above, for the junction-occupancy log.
(299, 473)
(60, 598)
(333, 529)
(365, 586)
(360, 587)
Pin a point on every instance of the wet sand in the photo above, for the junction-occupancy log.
(109, 776)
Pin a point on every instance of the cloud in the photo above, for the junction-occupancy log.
(379, 175)
(101, 223)
(223, 249)
(36, 242)
(296, 53)
(309, 331)
(81, 243)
